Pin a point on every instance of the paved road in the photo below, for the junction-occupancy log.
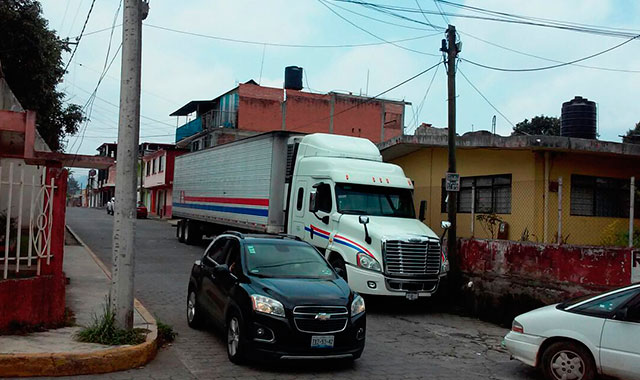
(404, 340)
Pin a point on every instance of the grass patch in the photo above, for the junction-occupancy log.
(103, 330)
(165, 333)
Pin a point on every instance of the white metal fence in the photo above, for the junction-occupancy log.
(26, 203)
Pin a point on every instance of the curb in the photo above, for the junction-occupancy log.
(85, 363)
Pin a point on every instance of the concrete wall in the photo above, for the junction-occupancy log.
(506, 278)
(261, 109)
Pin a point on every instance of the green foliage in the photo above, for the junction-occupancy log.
(73, 187)
(539, 125)
(490, 223)
(617, 234)
(104, 330)
(635, 131)
(31, 57)
(165, 333)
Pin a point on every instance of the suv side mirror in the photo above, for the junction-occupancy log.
(222, 269)
(313, 205)
(621, 314)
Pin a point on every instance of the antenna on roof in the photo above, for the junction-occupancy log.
(493, 124)
(366, 91)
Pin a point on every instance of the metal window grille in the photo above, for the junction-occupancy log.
(492, 194)
(601, 196)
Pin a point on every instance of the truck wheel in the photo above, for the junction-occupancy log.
(338, 264)
(180, 231)
(192, 232)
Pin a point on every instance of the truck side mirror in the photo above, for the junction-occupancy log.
(423, 211)
(313, 205)
(363, 219)
(445, 225)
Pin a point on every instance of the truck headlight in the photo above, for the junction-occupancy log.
(367, 262)
(267, 305)
(357, 306)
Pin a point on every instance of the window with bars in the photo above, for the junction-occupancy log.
(492, 194)
(601, 196)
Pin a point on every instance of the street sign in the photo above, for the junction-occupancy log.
(635, 266)
(452, 182)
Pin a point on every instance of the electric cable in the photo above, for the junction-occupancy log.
(485, 98)
(75, 48)
(551, 66)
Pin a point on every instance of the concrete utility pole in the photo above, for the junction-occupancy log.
(123, 249)
(452, 54)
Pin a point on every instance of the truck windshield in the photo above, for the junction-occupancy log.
(374, 200)
(283, 259)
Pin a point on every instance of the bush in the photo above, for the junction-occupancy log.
(104, 330)
(165, 333)
(617, 234)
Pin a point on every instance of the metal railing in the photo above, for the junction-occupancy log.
(14, 213)
(219, 118)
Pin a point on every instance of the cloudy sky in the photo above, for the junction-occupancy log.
(179, 67)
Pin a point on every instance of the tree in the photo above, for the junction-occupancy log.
(73, 187)
(539, 125)
(634, 132)
(31, 57)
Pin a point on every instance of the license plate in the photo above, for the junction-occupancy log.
(412, 296)
(322, 341)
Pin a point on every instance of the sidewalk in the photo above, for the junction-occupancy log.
(56, 352)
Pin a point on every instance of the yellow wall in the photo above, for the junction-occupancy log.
(428, 166)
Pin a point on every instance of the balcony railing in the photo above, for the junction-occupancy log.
(219, 118)
(189, 129)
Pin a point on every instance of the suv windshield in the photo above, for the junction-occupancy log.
(374, 200)
(285, 259)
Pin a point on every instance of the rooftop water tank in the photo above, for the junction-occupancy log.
(293, 78)
(579, 118)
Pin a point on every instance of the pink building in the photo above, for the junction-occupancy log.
(158, 180)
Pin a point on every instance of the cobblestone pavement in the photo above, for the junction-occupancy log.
(404, 340)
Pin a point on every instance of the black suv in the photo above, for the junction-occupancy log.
(276, 297)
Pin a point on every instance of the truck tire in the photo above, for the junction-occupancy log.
(192, 234)
(180, 231)
(338, 264)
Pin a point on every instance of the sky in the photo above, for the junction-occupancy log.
(179, 67)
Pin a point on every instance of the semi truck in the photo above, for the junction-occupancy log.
(331, 191)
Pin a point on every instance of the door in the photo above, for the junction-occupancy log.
(297, 208)
(216, 254)
(620, 350)
(318, 225)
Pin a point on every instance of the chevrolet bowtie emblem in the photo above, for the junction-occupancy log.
(322, 316)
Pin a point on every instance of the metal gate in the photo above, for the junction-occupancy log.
(26, 203)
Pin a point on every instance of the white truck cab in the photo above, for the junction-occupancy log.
(359, 211)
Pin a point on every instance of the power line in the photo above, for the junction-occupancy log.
(263, 43)
(441, 12)
(424, 15)
(377, 19)
(80, 36)
(545, 58)
(369, 99)
(485, 98)
(556, 25)
(552, 66)
(421, 105)
(372, 34)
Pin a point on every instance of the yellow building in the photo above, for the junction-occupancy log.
(521, 179)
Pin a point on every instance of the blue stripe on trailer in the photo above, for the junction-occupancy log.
(234, 210)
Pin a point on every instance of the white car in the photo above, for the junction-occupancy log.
(583, 337)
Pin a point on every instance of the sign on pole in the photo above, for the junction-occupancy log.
(452, 182)
(635, 265)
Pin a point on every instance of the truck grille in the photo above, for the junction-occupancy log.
(320, 319)
(412, 258)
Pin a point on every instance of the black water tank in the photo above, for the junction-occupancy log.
(579, 118)
(293, 78)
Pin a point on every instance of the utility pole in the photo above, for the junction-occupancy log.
(123, 249)
(451, 49)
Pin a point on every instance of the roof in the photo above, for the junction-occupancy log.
(190, 107)
(406, 144)
(106, 144)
